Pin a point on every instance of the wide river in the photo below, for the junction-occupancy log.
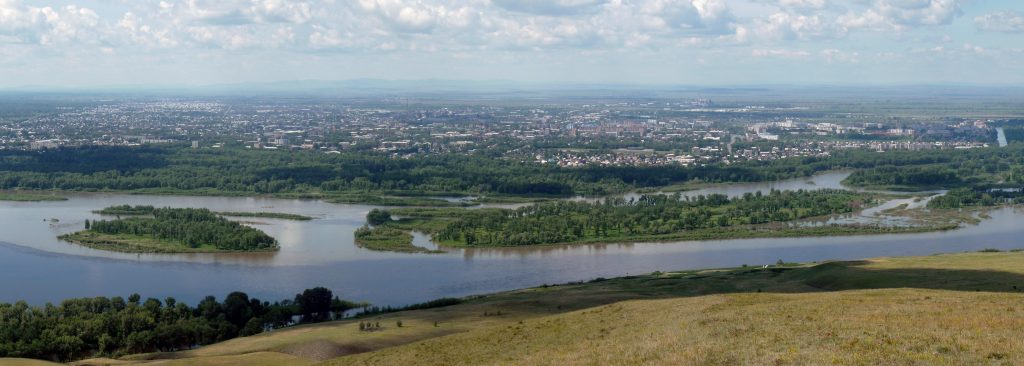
(38, 268)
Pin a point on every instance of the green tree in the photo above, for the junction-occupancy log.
(378, 217)
(314, 304)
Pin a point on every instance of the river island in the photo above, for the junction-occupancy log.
(173, 230)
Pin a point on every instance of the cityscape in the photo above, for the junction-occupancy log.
(511, 182)
(630, 132)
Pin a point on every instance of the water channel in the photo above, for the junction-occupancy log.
(38, 268)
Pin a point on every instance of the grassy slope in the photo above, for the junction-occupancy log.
(922, 310)
(851, 327)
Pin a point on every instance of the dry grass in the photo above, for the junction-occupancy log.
(915, 310)
(867, 327)
(248, 359)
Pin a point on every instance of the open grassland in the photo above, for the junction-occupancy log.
(943, 309)
(892, 326)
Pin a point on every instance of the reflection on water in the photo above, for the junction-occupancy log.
(831, 179)
(36, 267)
(328, 238)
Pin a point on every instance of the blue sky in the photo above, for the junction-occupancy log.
(86, 43)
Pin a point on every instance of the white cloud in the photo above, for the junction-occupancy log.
(49, 25)
(281, 11)
(804, 4)
(324, 38)
(238, 12)
(898, 15)
(787, 26)
(1006, 22)
(409, 16)
(765, 29)
(975, 49)
(832, 55)
(712, 16)
(791, 54)
(138, 33)
(463, 25)
(551, 7)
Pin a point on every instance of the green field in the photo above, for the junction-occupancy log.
(942, 309)
(387, 239)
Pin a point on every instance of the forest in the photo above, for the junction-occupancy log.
(237, 171)
(890, 176)
(188, 227)
(139, 210)
(970, 197)
(1013, 129)
(112, 327)
(648, 216)
(173, 169)
(360, 175)
(127, 210)
(939, 169)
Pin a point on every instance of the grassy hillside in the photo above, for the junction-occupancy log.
(854, 327)
(944, 309)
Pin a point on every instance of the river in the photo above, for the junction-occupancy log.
(38, 268)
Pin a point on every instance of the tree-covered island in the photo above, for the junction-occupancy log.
(655, 217)
(148, 210)
(171, 230)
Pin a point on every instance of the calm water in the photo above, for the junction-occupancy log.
(36, 267)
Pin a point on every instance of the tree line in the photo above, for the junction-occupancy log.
(930, 169)
(969, 197)
(240, 171)
(127, 210)
(648, 215)
(176, 168)
(193, 227)
(111, 327)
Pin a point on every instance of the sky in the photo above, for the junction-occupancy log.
(98, 43)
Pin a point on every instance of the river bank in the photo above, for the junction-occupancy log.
(322, 252)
